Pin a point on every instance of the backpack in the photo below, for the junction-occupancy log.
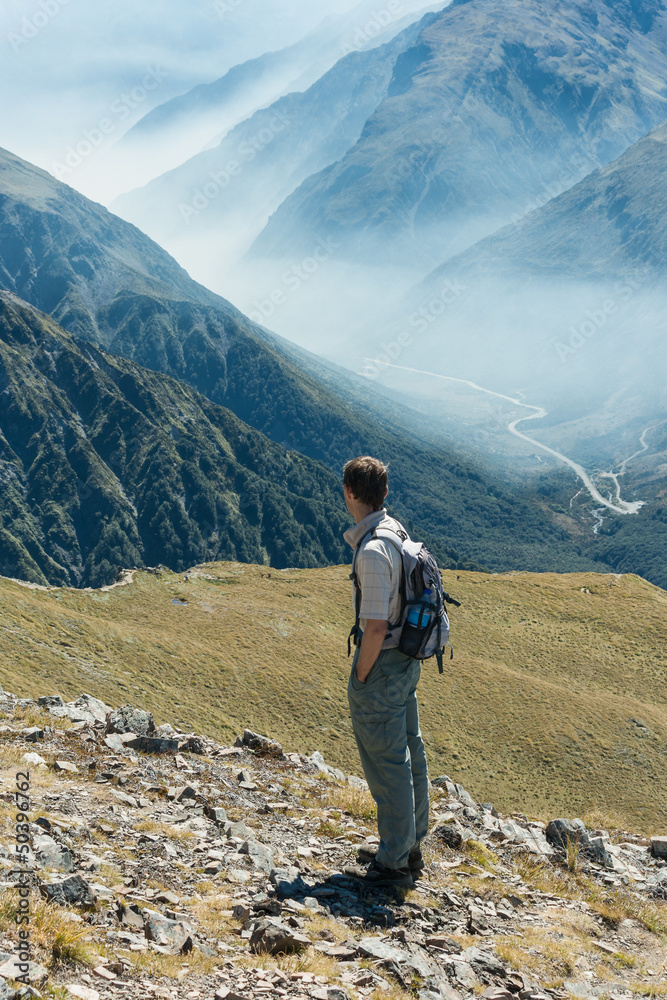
(419, 571)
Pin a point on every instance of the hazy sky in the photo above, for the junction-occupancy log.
(67, 64)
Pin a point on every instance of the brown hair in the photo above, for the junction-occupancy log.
(366, 478)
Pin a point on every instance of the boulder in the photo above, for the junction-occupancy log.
(483, 962)
(381, 951)
(84, 709)
(449, 830)
(216, 813)
(193, 744)
(50, 854)
(130, 915)
(33, 734)
(260, 856)
(596, 849)
(564, 832)
(239, 829)
(656, 884)
(531, 837)
(465, 974)
(13, 967)
(319, 762)
(173, 934)
(274, 937)
(71, 891)
(66, 765)
(81, 991)
(465, 797)
(659, 847)
(444, 781)
(262, 746)
(127, 719)
(50, 701)
(152, 744)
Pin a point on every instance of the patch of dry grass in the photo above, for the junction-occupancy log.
(53, 934)
(151, 963)
(214, 914)
(307, 960)
(481, 855)
(172, 831)
(613, 904)
(356, 802)
(543, 952)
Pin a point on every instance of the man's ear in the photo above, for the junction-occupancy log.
(386, 493)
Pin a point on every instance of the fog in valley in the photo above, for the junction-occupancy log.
(291, 157)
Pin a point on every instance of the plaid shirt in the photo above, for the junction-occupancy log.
(378, 569)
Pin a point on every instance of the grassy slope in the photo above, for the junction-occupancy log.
(535, 712)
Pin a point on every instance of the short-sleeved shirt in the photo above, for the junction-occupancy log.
(378, 568)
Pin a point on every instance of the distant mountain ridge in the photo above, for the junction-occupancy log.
(183, 126)
(613, 220)
(228, 192)
(494, 102)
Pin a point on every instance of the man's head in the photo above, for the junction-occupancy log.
(365, 485)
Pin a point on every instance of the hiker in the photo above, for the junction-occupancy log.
(382, 685)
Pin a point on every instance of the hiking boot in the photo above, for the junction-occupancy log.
(377, 875)
(416, 862)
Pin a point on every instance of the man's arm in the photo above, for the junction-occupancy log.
(371, 644)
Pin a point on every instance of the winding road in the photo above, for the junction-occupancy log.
(619, 505)
(621, 471)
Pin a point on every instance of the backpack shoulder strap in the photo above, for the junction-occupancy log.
(353, 637)
(395, 537)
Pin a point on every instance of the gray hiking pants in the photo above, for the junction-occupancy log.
(385, 720)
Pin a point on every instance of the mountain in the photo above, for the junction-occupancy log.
(181, 127)
(612, 221)
(107, 464)
(226, 194)
(585, 271)
(494, 105)
(107, 283)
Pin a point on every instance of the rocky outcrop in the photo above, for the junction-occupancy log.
(203, 860)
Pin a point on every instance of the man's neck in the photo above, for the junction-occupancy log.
(363, 511)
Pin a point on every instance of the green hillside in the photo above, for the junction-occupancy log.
(107, 464)
(555, 702)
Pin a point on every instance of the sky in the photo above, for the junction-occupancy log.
(67, 65)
